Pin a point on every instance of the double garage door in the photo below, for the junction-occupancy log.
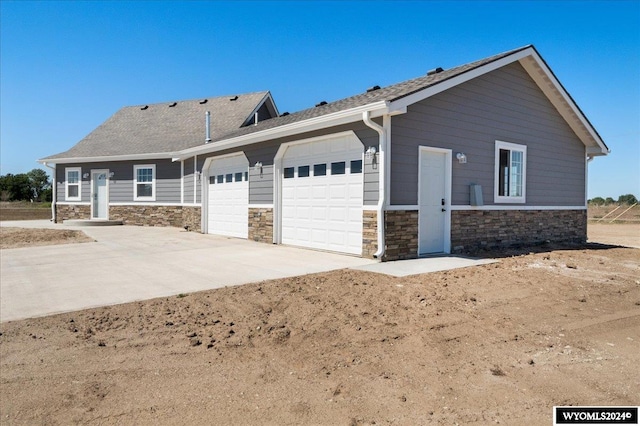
(322, 195)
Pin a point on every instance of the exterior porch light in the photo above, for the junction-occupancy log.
(462, 159)
(370, 152)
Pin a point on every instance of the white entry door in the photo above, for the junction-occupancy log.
(322, 194)
(99, 194)
(434, 202)
(228, 197)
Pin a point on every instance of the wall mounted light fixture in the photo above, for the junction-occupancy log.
(462, 159)
(258, 167)
(85, 176)
(370, 152)
(111, 174)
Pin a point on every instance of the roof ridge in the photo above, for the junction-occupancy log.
(261, 92)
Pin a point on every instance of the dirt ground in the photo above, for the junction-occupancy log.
(18, 210)
(499, 343)
(23, 237)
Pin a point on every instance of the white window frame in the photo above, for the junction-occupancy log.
(153, 182)
(496, 190)
(67, 184)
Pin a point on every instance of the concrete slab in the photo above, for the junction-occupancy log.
(403, 268)
(129, 263)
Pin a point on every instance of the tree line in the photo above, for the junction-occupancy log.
(31, 186)
(628, 199)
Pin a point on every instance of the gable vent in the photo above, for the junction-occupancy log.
(234, 98)
(435, 71)
(372, 89)
(145, 107)
(204, 101)
(173, 104)
(321, 103)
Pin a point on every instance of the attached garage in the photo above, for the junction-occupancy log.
(228, 196)
(322, 194)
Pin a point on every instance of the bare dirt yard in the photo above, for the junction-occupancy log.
(19, 210)
(499, 343)
(26, 237)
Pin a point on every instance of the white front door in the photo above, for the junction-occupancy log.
(228, 196)
(99, 191)
(434, 202)
(322, 194)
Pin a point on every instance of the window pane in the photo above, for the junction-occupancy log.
(338, 168)
(145, 175)
(145, 190)
(503, 173)
(246, 176)
(303, 171)
(229, 177)
(220, 178)
(320, 170)
(212, 180)
(288, 172)
(239, 177)
(73, 176)
(356, 166)
(515, 177)
(72, 191)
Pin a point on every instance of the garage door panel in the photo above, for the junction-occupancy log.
(228, 197)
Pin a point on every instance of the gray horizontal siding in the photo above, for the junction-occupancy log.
(261, 185)
(121, 184)
(188, 181)
(503, 105)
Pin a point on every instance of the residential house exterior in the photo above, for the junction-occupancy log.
(488, 154)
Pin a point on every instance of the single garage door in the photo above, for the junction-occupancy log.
(322, 193)
(228, 197)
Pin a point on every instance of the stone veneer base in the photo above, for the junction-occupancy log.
(261, 224)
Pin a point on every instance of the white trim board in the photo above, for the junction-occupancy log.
(260, 206)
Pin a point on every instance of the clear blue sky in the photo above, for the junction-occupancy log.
(67, 66)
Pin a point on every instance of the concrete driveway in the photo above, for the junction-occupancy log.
(129, 263)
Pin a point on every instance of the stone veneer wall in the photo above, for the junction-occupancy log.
(369, 233)
(178, 216)
(261, 224)
(72, 212)
(480, 229)
(401, 234)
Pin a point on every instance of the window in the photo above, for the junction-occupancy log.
(510, 173)
(73, 184)
(212, 180)
(303, 171)
(288, 172)
(220, 179)
(239, 176)
(356, 166)
(144, 182)
(228, 177)
(320, 170)
(338, 168)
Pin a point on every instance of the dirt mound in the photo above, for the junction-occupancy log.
(27, 237)
(499, 343)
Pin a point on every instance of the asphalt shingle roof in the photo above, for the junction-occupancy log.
(160, 128)
(163, 129)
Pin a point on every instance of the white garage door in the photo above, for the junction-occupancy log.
(322, 193)
(228, 197)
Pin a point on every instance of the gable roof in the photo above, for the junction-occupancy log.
(167, 127)
(391, 100)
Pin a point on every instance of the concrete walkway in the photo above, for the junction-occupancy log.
(129, 263)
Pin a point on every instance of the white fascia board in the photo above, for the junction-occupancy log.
(377, 109)
(562, 101)
(153, 156)
(403, 103)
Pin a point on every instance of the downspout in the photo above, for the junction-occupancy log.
(382, 149)
(586, 180)
(53, 192)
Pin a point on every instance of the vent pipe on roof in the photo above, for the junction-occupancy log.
(173, 104)
(374, 88)
(321, 103)
(207, 120)
(435, 71)
(255, 118)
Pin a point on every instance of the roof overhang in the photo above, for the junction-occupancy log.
(129, 157)
(542, 75)
(376, 109)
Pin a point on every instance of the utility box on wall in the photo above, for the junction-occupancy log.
(475, 195)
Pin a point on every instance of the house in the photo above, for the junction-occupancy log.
(488, 154)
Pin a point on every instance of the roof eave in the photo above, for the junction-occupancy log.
(97, 159)
(376, 109)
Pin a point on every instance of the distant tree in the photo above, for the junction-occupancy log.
(609, 200)
(598, 201)
(627, 199)
(39, 181)
(16, 187)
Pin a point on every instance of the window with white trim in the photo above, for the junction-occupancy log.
(73, 184)
(510, 172)
(144, 182)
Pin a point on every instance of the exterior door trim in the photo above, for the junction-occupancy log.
(106, 201)
(447, 191)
